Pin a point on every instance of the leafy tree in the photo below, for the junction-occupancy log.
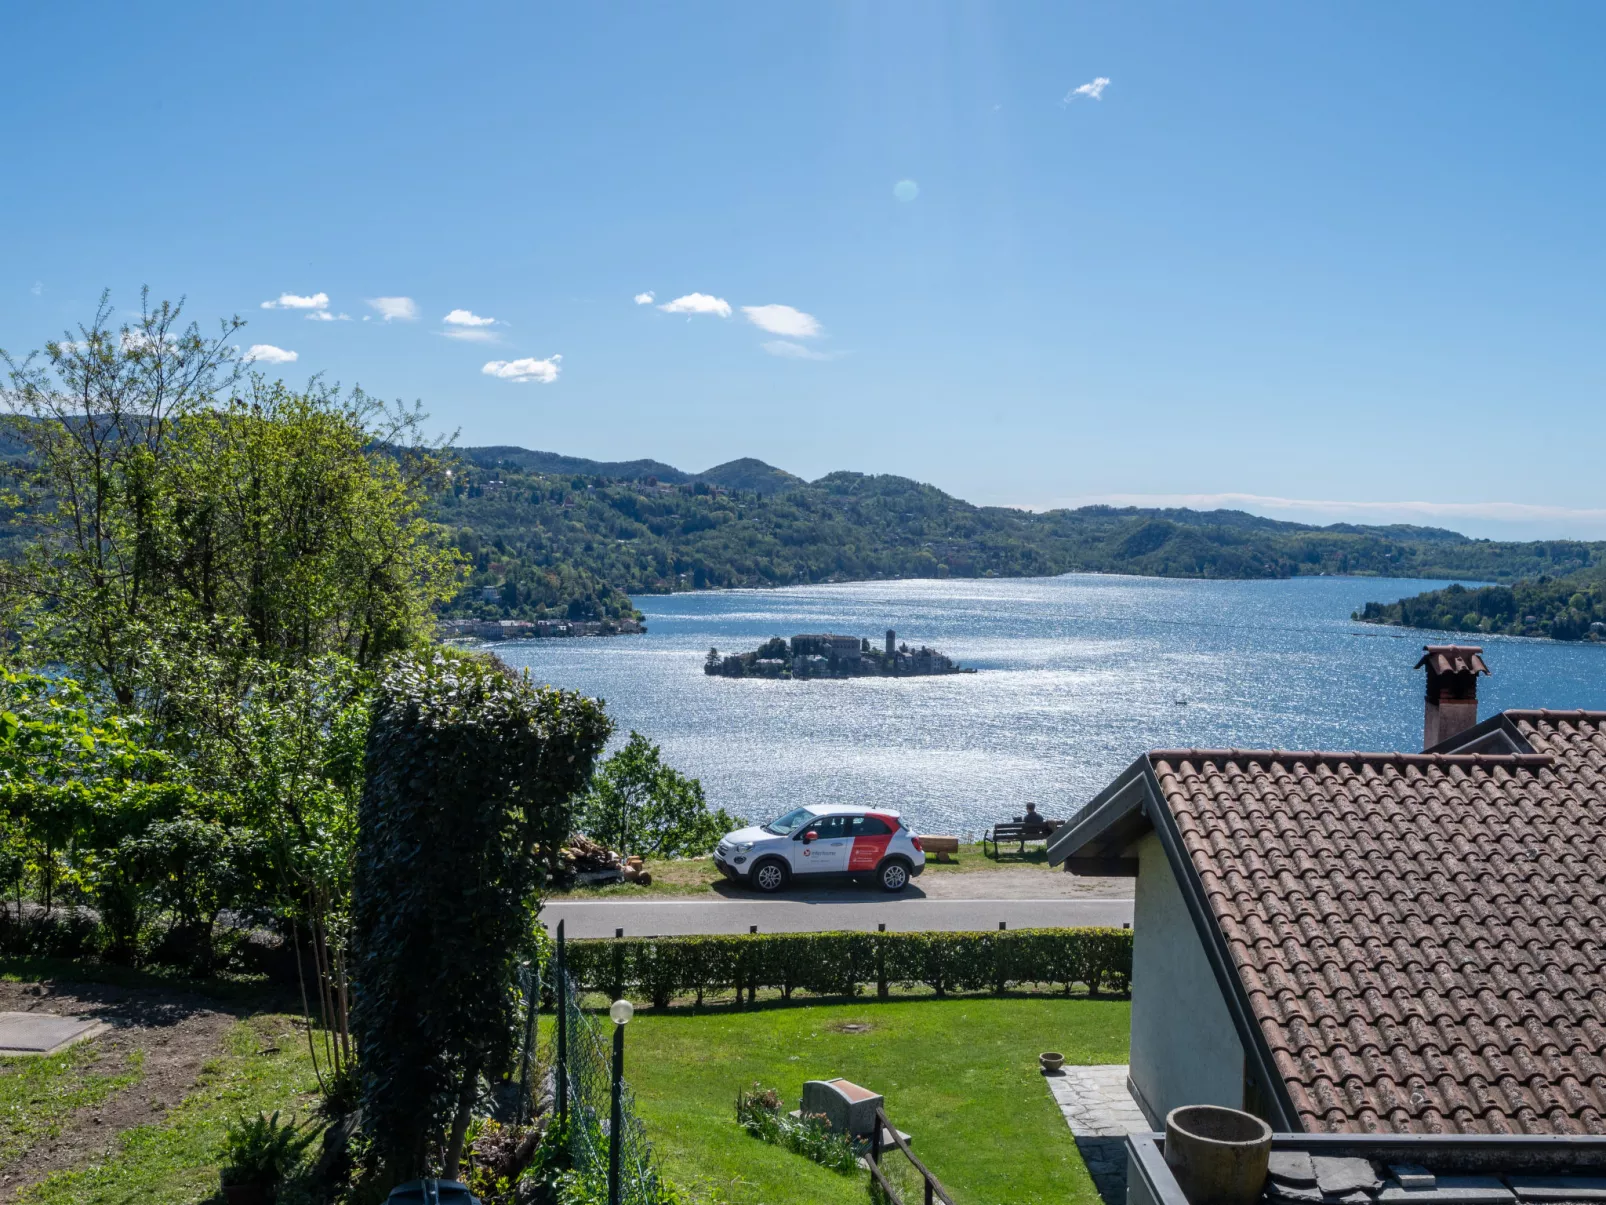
(164, 490)
(639, 805)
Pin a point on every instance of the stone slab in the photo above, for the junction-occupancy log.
(1451, 1190)
(42, 1033)
(1293, 1194)
(1558, 1188)
(1292, 1167)
(1410, 1175)
(1340, 1176)
(1100, 1113)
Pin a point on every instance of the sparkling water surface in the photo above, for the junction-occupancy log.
(1078, 675)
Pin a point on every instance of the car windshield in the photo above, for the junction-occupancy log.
(789, 823)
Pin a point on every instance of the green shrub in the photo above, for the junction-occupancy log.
(759, 1113)
(842, 964)
(262, 1150)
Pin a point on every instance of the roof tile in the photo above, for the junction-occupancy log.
(1421, 936)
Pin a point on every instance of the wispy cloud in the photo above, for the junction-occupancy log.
(469, 327)
(698, 303)
(293, 301)
(392, 309)
(644, 298)
(326, 316)
(542, 372)
(38, 288)
(1093, 91)
(467, 318)
(783, 320)
(266, 353)
(788, 350)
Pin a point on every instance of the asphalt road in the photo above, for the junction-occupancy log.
(818, 911)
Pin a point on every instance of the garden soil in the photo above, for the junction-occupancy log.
(177, 1032)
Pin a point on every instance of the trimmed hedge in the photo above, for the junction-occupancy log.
(841, 964)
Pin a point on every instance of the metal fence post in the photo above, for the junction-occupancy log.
(563, 1032)
(618, 964)
(616, 1118)
(533, 986)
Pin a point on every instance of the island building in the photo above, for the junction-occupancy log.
(830, 655)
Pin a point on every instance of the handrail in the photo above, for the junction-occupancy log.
(934, 1189)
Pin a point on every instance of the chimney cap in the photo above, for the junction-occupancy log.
(1453, 659)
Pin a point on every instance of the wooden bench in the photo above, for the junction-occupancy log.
(940, 849)
(1018, 831)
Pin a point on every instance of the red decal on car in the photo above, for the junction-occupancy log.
(868, 851)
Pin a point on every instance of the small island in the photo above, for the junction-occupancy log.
(831, 656)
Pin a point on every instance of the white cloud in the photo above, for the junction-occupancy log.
(392, 308)
(467, 318)
(906, 190)
(795, 351)
(472, 334)
(266, 353)
(644, 298)
(326, 316)
(290, 301)
(1093, 91)
(543, 372)
(39, 288)
(783, 320)
(698, 303)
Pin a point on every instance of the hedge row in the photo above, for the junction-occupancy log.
(841, 964)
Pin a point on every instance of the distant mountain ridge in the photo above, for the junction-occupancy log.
(751, 475)
(747, 474)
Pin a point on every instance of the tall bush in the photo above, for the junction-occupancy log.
(469, 770)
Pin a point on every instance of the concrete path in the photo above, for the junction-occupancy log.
(820, 911)
(1101, 1113)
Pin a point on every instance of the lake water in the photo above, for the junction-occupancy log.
(1078, 675)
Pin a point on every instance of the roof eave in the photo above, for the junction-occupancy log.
(1112, 819)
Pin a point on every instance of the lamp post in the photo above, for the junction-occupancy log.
(620, 1011)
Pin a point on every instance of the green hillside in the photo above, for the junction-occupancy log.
(577, 544)
(1572, 607)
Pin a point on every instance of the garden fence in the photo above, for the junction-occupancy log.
(586, 1068)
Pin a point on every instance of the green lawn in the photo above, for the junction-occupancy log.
(37, 1094)
(263, 1065)
(960, 1075)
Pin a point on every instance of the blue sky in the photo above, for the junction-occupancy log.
(1310, 259)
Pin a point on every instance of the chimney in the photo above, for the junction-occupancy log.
(892, 639)
(1452, 696)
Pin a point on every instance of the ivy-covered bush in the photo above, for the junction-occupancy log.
(660, 969)
(470, 772)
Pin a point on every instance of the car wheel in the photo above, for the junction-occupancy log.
(769, 877)
(894, 875)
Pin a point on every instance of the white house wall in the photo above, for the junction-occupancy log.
(1185, 1050)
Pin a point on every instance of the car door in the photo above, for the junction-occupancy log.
(828, 852)
(868, 838)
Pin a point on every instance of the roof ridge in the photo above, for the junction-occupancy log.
(1552, 713)
(1492, 760)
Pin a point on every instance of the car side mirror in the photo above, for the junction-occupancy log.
(811, 835)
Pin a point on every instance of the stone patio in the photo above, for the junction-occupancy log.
(1101, 1113)
(42, 1033)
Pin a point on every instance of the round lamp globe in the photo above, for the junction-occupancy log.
(621, 1011)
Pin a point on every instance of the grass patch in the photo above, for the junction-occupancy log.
(37, 1094)
(958, 1074)
(263, 1065)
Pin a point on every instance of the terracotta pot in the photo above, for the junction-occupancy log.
(1051, 1060)
(1218, 1155)
(248, 1194)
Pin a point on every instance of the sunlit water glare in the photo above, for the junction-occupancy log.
(1078, 675)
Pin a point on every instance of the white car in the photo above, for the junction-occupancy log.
(820, 842)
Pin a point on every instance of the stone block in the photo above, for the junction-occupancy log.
(1451, 1190)
(846, 1107)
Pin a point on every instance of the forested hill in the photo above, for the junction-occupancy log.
(1571, 607)
(558, 535)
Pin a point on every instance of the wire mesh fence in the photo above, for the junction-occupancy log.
(586, 1064)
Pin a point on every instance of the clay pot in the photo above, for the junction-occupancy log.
(1218, 1155)
(1051, 1060)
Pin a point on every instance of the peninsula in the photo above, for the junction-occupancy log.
(830, 656)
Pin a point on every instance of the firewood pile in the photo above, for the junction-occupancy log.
(592, 862)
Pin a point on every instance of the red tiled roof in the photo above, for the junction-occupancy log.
(1453, 659)
(1422, 938)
